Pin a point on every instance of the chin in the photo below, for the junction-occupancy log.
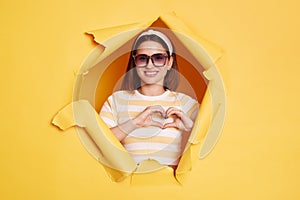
(149, 83)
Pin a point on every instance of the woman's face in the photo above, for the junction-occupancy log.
(151, 74)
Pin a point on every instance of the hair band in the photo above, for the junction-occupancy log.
(160, 35)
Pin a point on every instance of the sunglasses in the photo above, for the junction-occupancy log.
(158, 59)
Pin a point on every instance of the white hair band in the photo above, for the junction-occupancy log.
(160, 35)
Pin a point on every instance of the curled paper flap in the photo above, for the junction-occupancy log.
(213, 51)
(207, 54)
(218, 100)
(111, 39)
(82, 114)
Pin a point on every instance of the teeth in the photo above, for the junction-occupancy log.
(151, 73)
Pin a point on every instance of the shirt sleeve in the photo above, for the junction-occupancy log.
(189, 105)
(108, 113)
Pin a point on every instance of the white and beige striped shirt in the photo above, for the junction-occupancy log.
(162, 145)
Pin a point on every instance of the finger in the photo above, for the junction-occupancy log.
(157, 124)
(157, 109)
(176, 112)
(170, 109)
(184, 119)
(171, 125)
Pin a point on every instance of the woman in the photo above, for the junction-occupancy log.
(148, 117)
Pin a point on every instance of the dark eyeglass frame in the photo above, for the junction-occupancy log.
(165, 55)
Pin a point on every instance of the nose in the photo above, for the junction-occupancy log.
(150, 64)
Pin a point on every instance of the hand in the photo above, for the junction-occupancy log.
(181, 121)
(144, 119)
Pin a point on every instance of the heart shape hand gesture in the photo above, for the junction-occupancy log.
(181, 120)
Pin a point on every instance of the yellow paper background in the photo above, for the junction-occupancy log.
(43, 44)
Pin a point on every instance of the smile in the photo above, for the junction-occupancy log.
(151, 73)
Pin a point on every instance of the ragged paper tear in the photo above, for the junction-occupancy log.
(100, 69)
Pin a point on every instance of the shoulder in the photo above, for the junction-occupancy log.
(121, 94)
(188, 104)
(183, 97)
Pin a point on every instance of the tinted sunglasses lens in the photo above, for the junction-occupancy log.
(158, 60)
(141, 60)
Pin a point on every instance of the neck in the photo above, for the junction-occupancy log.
(151, 90)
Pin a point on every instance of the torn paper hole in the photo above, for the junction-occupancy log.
(100, 75)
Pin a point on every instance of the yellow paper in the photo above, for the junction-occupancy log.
(42, 47)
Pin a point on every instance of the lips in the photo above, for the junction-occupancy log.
(151, 73)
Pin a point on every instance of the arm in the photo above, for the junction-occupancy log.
(122, 130)
(183, 122)
(144, 119)
(186, 135)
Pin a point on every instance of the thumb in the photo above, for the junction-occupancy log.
(170, 125)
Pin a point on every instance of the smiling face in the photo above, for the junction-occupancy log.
(150, 74)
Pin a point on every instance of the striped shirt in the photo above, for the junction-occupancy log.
(162, 145)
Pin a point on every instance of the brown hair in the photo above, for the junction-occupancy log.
(132, 81)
